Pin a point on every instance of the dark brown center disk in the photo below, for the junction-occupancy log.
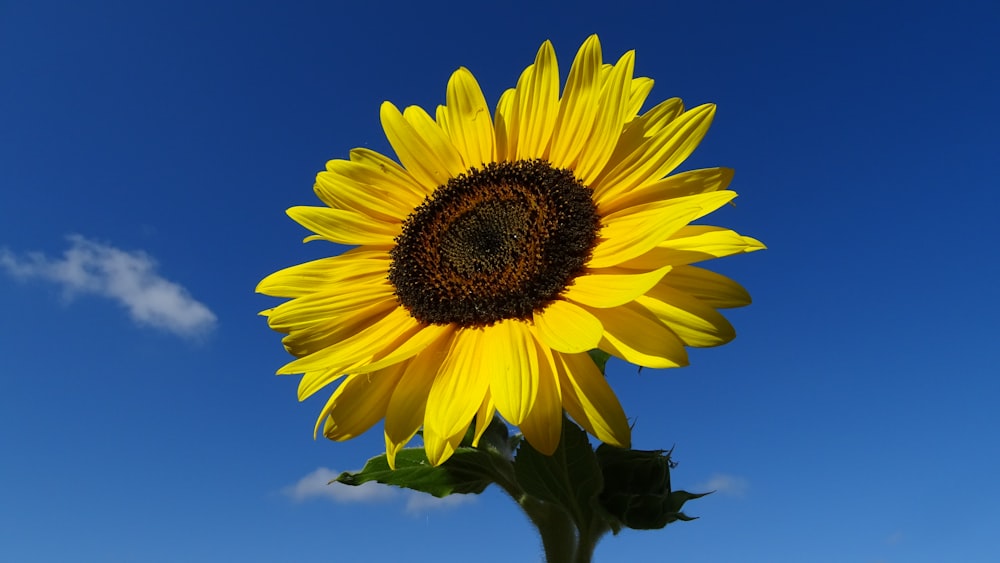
(494, 244)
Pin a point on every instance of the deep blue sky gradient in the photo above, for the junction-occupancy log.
(852, 419)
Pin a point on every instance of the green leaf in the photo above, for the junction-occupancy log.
(570, 477)
(467, 471)
(600, 358)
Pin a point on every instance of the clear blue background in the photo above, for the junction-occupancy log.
(854, 418)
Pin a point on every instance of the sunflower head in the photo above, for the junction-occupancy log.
(497, 252)
(494, 244)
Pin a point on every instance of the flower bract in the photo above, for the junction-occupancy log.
(502, 247)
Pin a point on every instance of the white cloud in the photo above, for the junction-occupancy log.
(724, 484)
(417, 503)
(129, 278)
(318, 485)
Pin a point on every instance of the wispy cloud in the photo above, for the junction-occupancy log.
(317, 485)
(724, 484)
(129, 278)
(418, 503)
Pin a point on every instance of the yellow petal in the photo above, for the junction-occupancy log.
(467, 120)
(457, 393)
(651, 123)
(422, 148)
(441, 118)
(329, 304)
(378, 201)
(510, 359)
(443, 152)
(612, 289)
(303, 279)
(614, 100)
(640, 130)
(361, 347)
(694, 322)
(632, 232)
(566, 327)
(502, 121)
(376, 169)
(345, 227)
(535, 105)
(641, 86)
(714, 241)
(405, 412)
(634, 334)
(658, 156)
(326, 376)
(317, 340)
(404, 347)
(440, 448)
(358, 403)
(483, 418)
(707, 286)
(589, 399)
(304, 339)
(380, 353)
(578, 106)
(695, 243)
(542, 428)
(679, 185)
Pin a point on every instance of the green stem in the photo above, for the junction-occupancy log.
(588, 541)
(555, 525)
(559, 534)
(562, 540)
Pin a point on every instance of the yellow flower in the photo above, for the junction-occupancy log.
(497, 252)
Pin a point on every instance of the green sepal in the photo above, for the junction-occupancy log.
(496, 439)
(678, 498)
(467, 471)
(600, 358)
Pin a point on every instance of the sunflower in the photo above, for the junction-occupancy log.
(497, 252)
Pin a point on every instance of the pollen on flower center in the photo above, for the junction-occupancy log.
(493, 244)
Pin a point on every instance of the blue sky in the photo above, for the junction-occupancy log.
(149, 151)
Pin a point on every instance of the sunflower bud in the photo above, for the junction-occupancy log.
(637, 488)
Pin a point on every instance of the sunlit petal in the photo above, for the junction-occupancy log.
(358, 403)
(634, 334)
(567, 327)
(511, 361)
(535, 105)
(457, 393)
(468, 121)
(405, 411)
(589, 399)
(542, 427)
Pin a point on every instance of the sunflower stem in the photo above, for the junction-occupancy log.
(562, 540)
(560, 537)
